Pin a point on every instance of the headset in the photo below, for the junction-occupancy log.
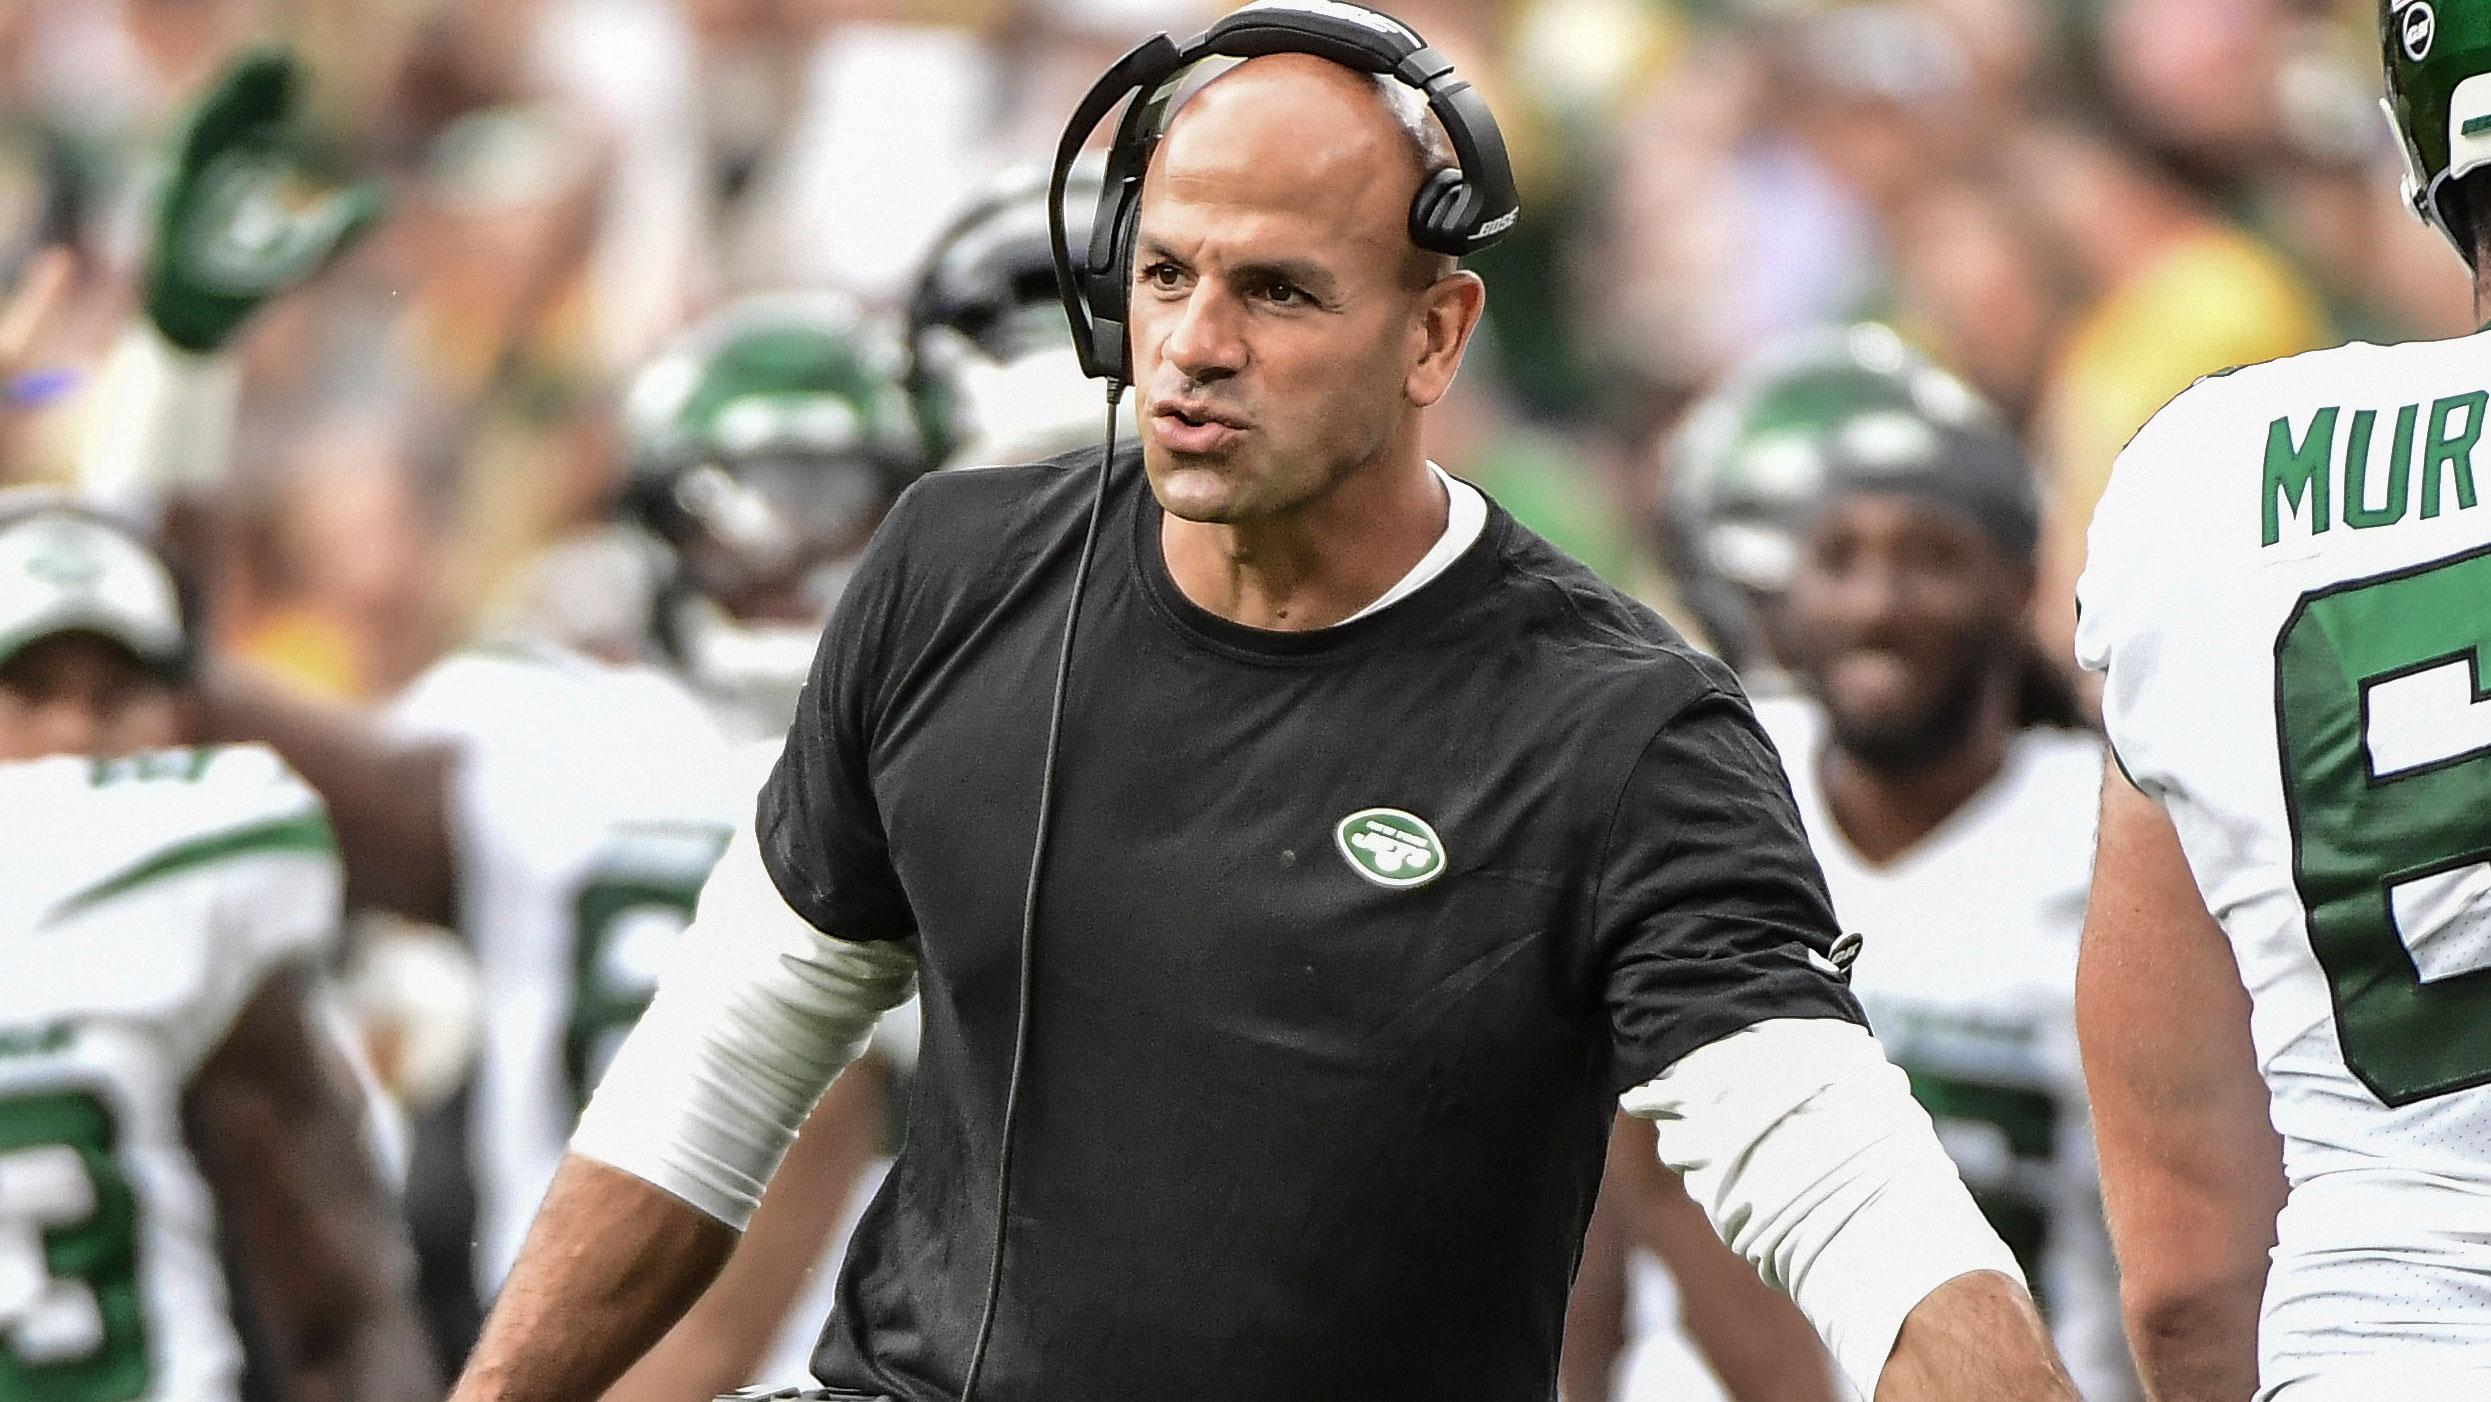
(1455, 212)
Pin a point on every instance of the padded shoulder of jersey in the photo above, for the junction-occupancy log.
(233, 824)
(2181, 500)
(539, 694)
(133, 799)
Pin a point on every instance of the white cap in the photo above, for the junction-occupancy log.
(62, 571)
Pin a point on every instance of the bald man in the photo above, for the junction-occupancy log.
(1391, 850)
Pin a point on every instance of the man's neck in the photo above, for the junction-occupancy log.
(1883, 814)
(1319, 563)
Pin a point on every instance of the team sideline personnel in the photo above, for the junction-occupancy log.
(1392, 848)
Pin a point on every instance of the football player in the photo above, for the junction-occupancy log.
(560, 809)
(1878, 526)
(991, 368)
(164, 1095)
(1745, 470)
(765, 445)
(563, 810)
(2288, 593)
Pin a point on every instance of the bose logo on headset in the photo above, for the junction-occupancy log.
(1455, 212)
(1373, 19)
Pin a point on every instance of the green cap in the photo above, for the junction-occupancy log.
(2437, 54)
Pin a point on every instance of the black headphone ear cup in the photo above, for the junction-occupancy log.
(1107, 275)
(1440, 214)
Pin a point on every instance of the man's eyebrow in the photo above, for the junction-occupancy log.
(1308, 277)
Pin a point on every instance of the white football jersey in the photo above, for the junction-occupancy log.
(590, 803)
(143, 903)
(1967, 969)
(2289, 596)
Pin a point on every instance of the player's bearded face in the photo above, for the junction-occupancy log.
(1275, 321)
(1903, 617)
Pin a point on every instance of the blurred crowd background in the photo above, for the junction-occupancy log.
(2079, 205)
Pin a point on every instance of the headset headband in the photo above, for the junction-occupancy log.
(1455, 212)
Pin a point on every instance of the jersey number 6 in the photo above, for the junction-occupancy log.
(2385, 725)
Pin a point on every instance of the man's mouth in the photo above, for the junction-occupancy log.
(1190, 426)
(1875, 674)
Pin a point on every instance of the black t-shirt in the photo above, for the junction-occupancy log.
(1349, 940)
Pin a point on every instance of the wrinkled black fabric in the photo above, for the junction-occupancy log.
(1286, 1131)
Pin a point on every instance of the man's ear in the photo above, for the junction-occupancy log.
(1448, 312)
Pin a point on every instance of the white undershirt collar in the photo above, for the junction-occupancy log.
(1466, 515)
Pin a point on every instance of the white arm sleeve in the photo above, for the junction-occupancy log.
(755, 1013)
(1805, 1148)
(163, 422)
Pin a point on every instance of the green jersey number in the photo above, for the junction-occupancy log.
(637, 897)
(2385, 722)
(72, 1325)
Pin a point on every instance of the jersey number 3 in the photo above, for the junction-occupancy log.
(70, 1316)
(2385, 720)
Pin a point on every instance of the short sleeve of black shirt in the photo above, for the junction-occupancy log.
(1712, 913)
(821, 833)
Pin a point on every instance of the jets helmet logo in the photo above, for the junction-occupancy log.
(2420, 26)
(1390, 847)
(65, 559)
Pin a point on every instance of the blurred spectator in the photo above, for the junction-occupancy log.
(2169, 291)
(342, 590)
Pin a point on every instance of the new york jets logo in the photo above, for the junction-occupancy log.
(65, 559)
(2420, 25)
(1390, 847)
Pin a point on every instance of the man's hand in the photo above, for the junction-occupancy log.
(242, 220)
(1976, 1338)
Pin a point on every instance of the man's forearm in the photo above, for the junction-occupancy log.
(610, 1265)
(1976, 1338)
(1808, 1155)
(722, 1342)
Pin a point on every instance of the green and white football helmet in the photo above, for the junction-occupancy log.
(2437, 54)
(991, 366)
(764, 447)
(1758, 456)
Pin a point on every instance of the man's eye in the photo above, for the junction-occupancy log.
(1282, 294)
(1163, 275)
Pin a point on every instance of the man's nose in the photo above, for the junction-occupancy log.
(1206, 342)
(1871, 596)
